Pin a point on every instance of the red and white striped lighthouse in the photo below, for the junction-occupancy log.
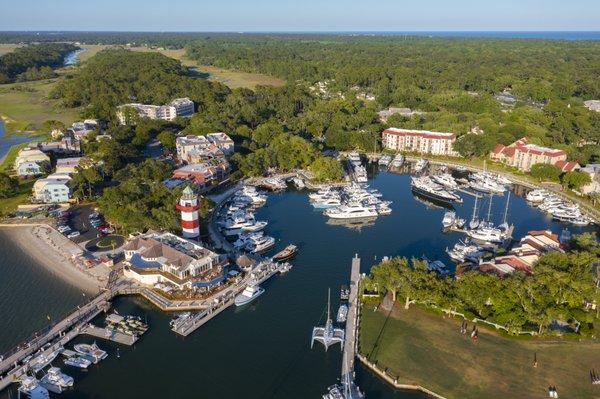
(188, 205)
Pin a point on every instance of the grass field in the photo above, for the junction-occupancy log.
(25, 106)
(7, 47)
(425, 349)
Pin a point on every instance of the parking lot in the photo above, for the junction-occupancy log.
(79, 220)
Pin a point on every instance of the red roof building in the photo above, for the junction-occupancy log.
(523, 155)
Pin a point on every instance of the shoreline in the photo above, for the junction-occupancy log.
(36, 242)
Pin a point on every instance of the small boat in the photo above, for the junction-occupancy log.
(287, 253)
(284, 268)
(43, 360)
(56, 381)
(31, 388)
(92, 352)
(342, 313)
(250, 293)
(344, 293)
(179, 318)
(79, 362)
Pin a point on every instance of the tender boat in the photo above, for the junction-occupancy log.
(31, 388)
(250, 293)
(56, 381)
(342, 313)
(92, 352)
(77, 361)
(286, 254)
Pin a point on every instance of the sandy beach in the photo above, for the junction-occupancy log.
(47, 247)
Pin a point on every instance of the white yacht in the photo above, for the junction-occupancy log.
(250, 293)
(383, 209)
(360, 174)
(298, 182)
(256, 226)
(247, 238)
(351, 211)
(537, 196)
(92, 352)
(450, 219)
(56, 381)
(398, 161)
(31, 388)
(44, 359)
(429, 189)
(260, 244)
(325, 203)
(486, 234)
(421, 165)
(385, 160)
(77, 361)
(446, 180)
(180, 318)
(464, 251)
(487, 186)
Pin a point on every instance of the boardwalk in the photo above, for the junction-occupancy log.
(351, 390)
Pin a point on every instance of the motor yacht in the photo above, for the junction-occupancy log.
(31, 388)
(446, 180)
(487, 234)
(464, 251)
(92, 352)
(385, 160)
(260, 244)
(421, 165)
(351, 211)
(427, 188)
(56, 381)
(250, 293)
(487, 186)
(360, 174)
(286, 254)
(77, 361)
(255, 226)
(298, 182)
(398, 161)
(449, 219)
(327, 202)
(536, 196)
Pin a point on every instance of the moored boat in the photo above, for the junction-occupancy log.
(286, 254)
(250, 293)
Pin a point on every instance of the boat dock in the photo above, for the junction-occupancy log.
(108, 334)
(351, 342)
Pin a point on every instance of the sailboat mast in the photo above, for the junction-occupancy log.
(474, 208)
(489, 209)
(328, 303)
(506, 208)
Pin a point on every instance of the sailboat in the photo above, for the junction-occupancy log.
(474, 222)
(504, 225)
(328, 335)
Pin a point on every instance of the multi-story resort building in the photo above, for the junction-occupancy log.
(523, 156)
(222, 141)
(159, 257)
(29, 162)
(419, 141)
(524, 255)
(593, 170)
(204, 174)
(52, 190)
(180, 107)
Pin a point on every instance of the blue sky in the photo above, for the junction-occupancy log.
(300, 15)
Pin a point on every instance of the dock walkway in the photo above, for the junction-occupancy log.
(115, 336)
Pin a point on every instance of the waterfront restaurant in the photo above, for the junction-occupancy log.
(160, 257)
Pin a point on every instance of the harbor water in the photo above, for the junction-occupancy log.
(263, 350)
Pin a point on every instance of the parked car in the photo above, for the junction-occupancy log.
(73, 234)
(63, 229)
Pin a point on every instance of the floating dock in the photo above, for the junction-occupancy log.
(109, 334)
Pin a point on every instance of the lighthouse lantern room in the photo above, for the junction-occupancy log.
(188, 205)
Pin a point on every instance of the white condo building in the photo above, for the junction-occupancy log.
(420, 141)
(180, 107)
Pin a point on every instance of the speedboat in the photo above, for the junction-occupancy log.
(92, 352)
(56, 381)
(250, 293)
(31, 388)
(77, 361)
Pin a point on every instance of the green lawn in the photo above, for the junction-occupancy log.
(423, 348)
(9, 205)
(25, 106)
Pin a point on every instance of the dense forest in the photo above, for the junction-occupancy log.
(452, 80)
(115, 77)
(36, 61)
(558, 289)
